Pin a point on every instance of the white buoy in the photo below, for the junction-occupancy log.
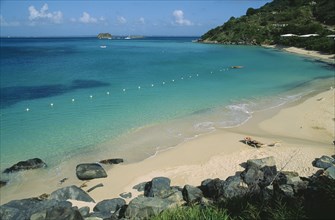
(139, 87)
(51, 104)
(124, 90)
(72, 100)
(27, 109)
(163, 83)
(190, 76)
(107, 93)
(197, 74)
(182, 77)
(173, 80)
(91, 96)
(152, 85)
(211, 72)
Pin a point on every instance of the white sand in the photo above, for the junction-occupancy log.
(219, 154)
(305, 131)
(329, 58)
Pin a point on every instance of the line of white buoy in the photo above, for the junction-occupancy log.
(139, 87)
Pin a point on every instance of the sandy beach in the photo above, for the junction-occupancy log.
(301, 132)
(328, 58)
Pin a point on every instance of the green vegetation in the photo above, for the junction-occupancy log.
(104, 35)
(192, 213)
(317, 202)
(236, 209)
(266, 25)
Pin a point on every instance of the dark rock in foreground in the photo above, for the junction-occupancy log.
(126, 195)
(330, 172)
(324, 162)
(212, 188)
(64, 213)
(260, 181)
(88, 171)
(31, 208)
(26, 165)
(192, 194)
(109, 205)
(112, 161)
(157, 187)
(260, 172)
(70, 192)
(145, 207)
(2, 183)
(140, 187)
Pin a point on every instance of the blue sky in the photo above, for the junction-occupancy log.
(82, 18)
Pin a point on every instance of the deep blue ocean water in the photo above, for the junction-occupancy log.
(64, 96)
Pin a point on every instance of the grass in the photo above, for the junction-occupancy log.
(316, 202)
(193, 213)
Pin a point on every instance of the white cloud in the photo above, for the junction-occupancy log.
(121, 20)
(43, 14)
(141, 20)
(179, 18)
(86, 18)
(4, 23)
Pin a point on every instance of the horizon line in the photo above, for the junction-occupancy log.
(69, 36)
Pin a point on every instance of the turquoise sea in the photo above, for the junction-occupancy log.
(66, 97)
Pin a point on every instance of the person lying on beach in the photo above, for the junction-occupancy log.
(255, 143)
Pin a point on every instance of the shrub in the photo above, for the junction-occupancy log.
(193, 213)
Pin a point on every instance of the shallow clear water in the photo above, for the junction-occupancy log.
(61, 96)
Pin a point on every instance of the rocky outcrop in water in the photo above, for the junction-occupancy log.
(26, 165)
(104, 36)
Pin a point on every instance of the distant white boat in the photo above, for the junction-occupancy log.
(109, 38)
(128, 38)
(103, 46)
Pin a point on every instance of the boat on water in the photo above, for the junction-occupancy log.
(236, 67)
(103, 46)
(128, 38)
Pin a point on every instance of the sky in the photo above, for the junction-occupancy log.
(33, 18)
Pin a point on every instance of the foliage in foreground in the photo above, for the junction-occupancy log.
(238, 209)
(317, 202)
(193, 212)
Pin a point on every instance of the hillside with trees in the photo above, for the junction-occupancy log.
(279, 17)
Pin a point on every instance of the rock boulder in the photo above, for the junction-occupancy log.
(157, 187)
(146, 207)
(112, 161)
(192, 194)
(88, 171)
(324, 162)
(26, 165)
(212, 188)
(109, 205)
(71, 192)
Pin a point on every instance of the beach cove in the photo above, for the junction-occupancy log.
(200, 155)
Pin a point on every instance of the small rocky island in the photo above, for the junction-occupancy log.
(104, 36)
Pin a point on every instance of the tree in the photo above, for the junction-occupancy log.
(251, 11)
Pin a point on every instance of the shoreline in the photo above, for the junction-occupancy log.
(213, 155)
(194, 157)
(327, 58)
